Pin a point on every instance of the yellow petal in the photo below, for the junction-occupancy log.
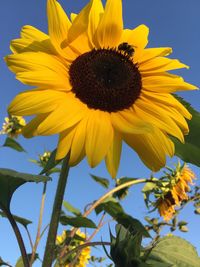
(31, 61)
(80, 23)
(47, 67)
(32, 33)
(110, 26)
(150, 53)
(165, 83)
(137, 37)
(64, 143)
(45, 80)
(154, 115)
(99, 136)
(58, 24)
(69, 112)
(35, 102)
(167, 100)
(113, 156)
(129, 123)
(78, 143)
(73, 16)
(32, 39)
(30, 129)
(77, 47)
(95, 14)
(160, 64)
(152, 148)
(28, 45)
(178, 118)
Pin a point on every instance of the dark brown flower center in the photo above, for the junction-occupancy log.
(105, 79)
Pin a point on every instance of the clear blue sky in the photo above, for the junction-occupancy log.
(172, 23)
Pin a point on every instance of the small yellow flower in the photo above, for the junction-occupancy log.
(175, 191)
(13, 126)
(61, 238)
(97, 85)
(45, 157)
(84, 256)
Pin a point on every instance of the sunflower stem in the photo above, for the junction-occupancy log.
(37, 240)
(51, 239)
(18, 236)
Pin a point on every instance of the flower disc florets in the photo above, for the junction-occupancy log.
(105, 79)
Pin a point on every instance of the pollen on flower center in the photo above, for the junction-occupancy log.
(105, 79)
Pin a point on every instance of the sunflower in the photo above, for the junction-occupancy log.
(13, 126)
(175, 191)
(84, 254)
(96, 85)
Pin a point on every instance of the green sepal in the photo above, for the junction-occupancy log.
(10, 142)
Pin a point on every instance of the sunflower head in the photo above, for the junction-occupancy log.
(13, 126)
(97, 85)
(174, 190)
(83, 255)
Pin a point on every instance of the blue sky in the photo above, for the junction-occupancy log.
(172, 23)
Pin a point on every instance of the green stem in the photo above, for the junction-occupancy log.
(37, 240)
(18, 236)
(51, 239)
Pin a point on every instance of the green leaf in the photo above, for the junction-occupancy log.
(70, 208)
(111, 207)
(51, 163)
(20, 261)
(125, 248)
(175, 252)
(10, 142)
(181, 223)
(190, 151)
(132, 224)
(121, 194)
(78, 221)
(10, 180)
(187, 152)
(18, 219)
(102, 181)
(115, 210)
(54, 170)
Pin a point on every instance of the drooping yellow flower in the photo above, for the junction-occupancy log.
(13, 126)
(176, 191)
(96, 85)
(84, 255)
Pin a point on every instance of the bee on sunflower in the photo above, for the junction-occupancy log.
(95, 93)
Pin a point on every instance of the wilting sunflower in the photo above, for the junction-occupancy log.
(13, 126)
(84, 254)
(175, 191)
(96, 85)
